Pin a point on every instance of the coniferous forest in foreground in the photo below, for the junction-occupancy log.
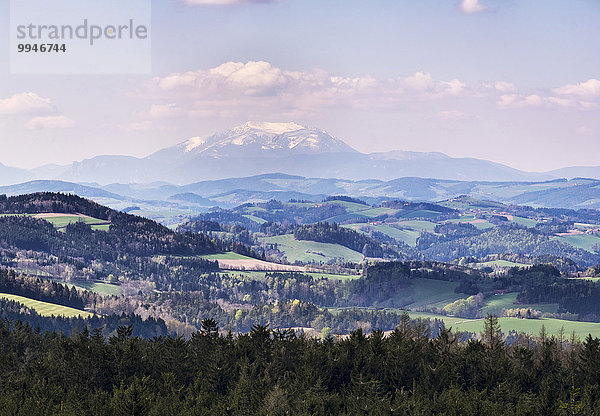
(269, 372)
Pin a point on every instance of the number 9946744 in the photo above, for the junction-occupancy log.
(41, 47)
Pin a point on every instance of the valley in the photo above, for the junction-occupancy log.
(337, 263)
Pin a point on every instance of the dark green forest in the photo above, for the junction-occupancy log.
(267, 372)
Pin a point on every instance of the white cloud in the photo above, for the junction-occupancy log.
(165, 111)
(471, 6)
(26, 103)
(589, 88)
(258, 86)
(420, 81)
(50, 122)
(501, 86)
(224, 2)
(533, 100)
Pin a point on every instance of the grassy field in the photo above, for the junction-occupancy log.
(376, 212)
(501, 263)
(585, 226)
(226, 256)
(350, 206)
(418, 225)
(255, 209)
(496, 303)
(259, 275)
(256, 219)
(527, 222)
(469, 218)
(97, 287)
(308, 251)
(421, 213)
(351, 216)
(60, 221)
(45, 308)
(590, 278)
(484, 225)
(584, 241)
(529, 326)
(463, 218)
(405, 235)
(427, 292)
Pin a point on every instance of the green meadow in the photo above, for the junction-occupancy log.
(311, 251)
(45, 308)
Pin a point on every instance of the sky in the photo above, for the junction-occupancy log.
(512, 81)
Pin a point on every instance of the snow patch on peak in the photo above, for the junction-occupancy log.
(274, 128)
(194, 142)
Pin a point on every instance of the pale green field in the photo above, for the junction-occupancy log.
(376, 212)
(226, 256)
(350, 206)
(45, 308)
(421, 213)
(101, 288)
(463, 218)
(527, 222)
(257, 220)
(61, 222)
(495, 304)
(100, 227)
(418, 225)
(586, 242)
(255, 275)
(583, 226)
(255, 209)
(351, 216)
(484, 225)
(591, 279)
(469, 217)
(529, 326)
(501, 263)
(467, 203)
(427, 292)
(307, 251)
(98, 287)
(407, 236)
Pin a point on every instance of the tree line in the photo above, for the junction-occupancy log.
(277, 372)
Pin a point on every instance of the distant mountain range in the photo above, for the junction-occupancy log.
(259, 148)
(227, 193)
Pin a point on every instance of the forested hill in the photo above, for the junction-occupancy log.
(332, 233)
(127, 235)
(54, 202)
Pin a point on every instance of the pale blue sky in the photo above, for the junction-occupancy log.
(515, 82)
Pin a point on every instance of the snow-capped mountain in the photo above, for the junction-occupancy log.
(256, 148)
(257, 139)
